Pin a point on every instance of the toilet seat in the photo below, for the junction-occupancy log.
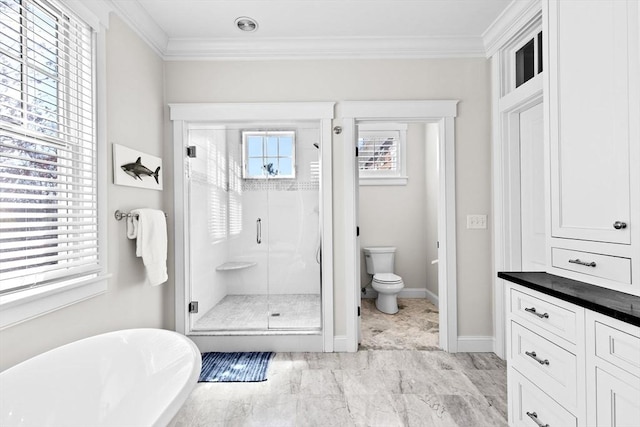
(387, 278)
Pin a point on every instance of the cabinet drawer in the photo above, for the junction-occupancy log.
(542, 313)
(550, 367)
(531, 406)
(608, 267)
(619, 348)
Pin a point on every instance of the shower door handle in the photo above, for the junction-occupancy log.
(259, 231)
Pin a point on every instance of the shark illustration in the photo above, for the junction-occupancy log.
(136, 169)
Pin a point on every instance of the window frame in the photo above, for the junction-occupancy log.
(384, 177)
(246, 134)
(29, 303)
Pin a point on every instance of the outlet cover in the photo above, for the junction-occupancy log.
(477, 222)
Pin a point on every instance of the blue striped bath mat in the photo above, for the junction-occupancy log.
(234, 367)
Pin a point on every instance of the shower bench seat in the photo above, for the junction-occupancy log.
(235, 265)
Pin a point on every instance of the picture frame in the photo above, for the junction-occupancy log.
(134, 168)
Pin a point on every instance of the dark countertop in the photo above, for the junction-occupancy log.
(612, 303)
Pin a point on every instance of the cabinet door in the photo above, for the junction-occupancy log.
(617, 403)
(589, 49)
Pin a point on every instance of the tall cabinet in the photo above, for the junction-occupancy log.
(593, 88)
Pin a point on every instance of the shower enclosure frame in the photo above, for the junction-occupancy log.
(183, 114)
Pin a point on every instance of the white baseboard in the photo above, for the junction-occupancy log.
(474, 344)
(432, 297)
(340, 344)
(405, 293)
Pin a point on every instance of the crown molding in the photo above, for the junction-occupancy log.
(137, 18)
(515, 17)
(325, 48)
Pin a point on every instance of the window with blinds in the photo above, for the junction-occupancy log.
(48, 168)
(381, 151)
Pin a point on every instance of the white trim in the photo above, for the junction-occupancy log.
(372, 180)
(137, 18)
(340, 344)
(409, 293)
(325, 48)
(506, 239)
(512, 19)
(181, 114)
(475, 344)
(277, 343)
(432, 297)
(442, 112)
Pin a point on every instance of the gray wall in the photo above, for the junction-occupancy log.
(336, 80)
(135, 119)
(395, 216)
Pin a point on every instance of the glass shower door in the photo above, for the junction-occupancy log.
(294, 240)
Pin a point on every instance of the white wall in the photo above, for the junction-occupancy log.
(465, 79)
(396, 216)
(135, 119)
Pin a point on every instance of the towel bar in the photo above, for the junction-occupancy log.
(122, 215)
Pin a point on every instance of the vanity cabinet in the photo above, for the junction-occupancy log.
(593, 88)
(613, 372)
(568, 365)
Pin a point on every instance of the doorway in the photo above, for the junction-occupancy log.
(398, 208)
(443, 114)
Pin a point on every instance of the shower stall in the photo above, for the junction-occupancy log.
(252, 234)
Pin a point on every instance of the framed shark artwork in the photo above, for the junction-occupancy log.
(136, 169)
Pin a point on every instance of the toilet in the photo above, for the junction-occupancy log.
(380, 263)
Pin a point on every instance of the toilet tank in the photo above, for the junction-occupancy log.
(379, 259)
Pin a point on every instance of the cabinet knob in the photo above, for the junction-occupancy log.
(619, 225)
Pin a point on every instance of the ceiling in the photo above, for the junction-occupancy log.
(196, 29)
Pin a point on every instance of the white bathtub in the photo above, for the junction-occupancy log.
(135, 377)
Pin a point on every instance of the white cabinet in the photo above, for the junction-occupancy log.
(545, 353)
(569, 366)
(593, 88)
(613, 372)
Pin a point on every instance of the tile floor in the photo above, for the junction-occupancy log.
(376, 386)
(414, 327)
(255, 312)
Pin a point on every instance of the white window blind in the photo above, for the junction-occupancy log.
(378, 151)
(48, 167)
(382, 153)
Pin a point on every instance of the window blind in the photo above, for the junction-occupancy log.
(378, 151)
(48, 168)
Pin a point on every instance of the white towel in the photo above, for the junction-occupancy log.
(149, 228)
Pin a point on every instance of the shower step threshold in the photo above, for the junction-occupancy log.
(235, 265)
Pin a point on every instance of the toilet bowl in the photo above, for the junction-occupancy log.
(380, 263)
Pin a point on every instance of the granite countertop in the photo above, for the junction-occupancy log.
(621, 306)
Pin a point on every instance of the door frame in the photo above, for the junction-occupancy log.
(507, 241)
(181, 115)
(442, 112)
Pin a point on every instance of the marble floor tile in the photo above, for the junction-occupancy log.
(415, 326)
(388, 388)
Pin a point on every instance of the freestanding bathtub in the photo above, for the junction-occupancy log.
(135, 377)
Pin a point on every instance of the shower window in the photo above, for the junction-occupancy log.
(268, 154)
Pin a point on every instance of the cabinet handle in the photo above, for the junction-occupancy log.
(619, 225)
(585, 263)
(532, 310)
(534, 417)
(259, 231)
(534, 356)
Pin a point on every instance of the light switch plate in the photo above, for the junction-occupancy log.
(476, 222)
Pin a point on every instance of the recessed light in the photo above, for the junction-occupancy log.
(247, 24)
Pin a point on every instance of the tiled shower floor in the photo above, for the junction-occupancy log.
(262, 312)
